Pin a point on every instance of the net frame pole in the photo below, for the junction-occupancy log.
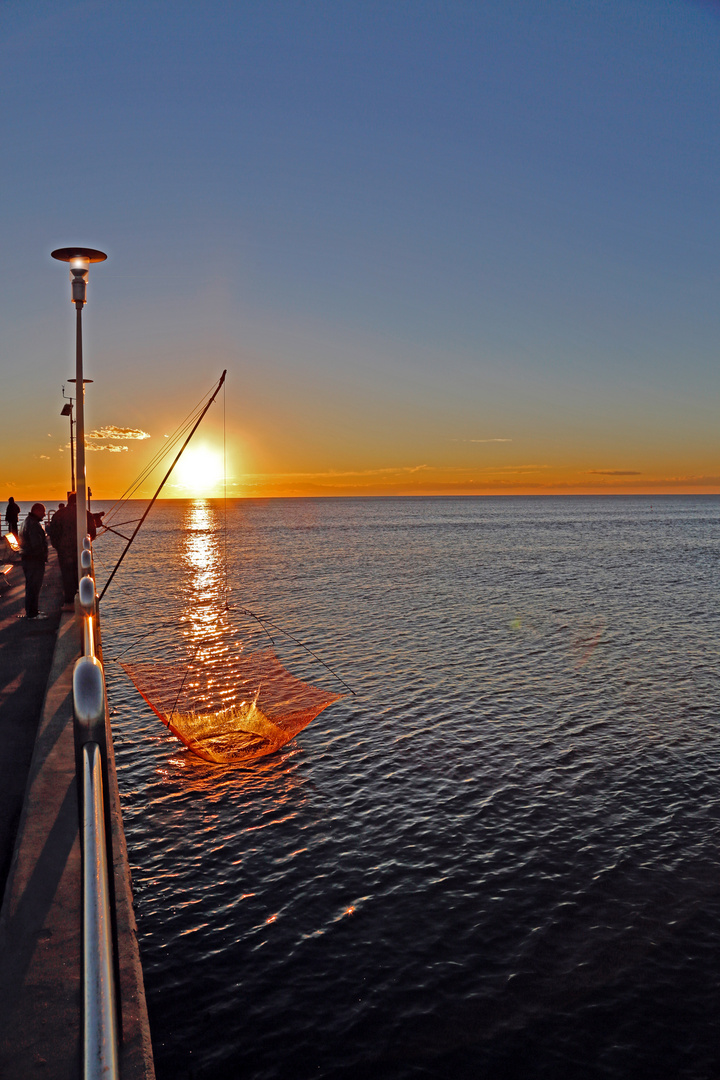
(162, 484)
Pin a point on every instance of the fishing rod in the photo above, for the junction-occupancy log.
(162, 484)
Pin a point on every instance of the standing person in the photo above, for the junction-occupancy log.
(34, 556)
(63, 535)
(54, 529)
(11, 517)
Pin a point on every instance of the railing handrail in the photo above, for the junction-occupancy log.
(100, 1043)
(100, 1027)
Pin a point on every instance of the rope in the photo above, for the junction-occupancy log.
(297, 641)
(261, 620)
(187, 672)
(176, 436)
(188, 437)
(172, 441)
(141, 637)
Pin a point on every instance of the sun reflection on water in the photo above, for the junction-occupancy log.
(203, 620)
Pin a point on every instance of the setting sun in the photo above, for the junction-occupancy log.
(199, 472)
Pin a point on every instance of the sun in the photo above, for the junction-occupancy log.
(199, 472)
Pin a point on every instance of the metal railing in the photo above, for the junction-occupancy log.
(100, 1037)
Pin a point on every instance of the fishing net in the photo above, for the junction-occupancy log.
(230, 709)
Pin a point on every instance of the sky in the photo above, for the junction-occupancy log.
(441, 247)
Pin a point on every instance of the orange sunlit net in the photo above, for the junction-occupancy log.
(230, 709)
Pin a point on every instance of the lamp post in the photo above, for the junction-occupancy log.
(85, 382)
(67, 410)
(79, 259)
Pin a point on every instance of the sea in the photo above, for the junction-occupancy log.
(498, 856)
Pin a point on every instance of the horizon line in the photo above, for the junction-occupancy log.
(394, 495)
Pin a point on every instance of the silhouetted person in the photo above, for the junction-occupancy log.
(55, 525)
(34, 548)
(63, 537)
(11, 517)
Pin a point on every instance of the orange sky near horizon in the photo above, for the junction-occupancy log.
(200, 473)
(299, 443)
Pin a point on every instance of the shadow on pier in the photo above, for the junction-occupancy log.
(40, 856)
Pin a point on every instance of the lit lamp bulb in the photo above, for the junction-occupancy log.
(78, 276)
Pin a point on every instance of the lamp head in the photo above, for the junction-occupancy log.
(79, 259)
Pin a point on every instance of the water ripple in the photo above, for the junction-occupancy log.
(500, 858)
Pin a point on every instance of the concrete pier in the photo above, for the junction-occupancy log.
(40, 865)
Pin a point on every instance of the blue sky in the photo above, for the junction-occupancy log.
(407, 229)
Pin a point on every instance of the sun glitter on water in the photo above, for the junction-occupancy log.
(199, 472)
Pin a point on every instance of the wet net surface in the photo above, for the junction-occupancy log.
(230, 709)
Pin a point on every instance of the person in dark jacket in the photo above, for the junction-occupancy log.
(11, 517)
(34, 547)
(63, 536)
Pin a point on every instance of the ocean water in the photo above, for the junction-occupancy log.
(500, 856)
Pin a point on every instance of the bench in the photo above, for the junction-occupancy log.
(9, 556)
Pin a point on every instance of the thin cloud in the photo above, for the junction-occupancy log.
(334, 474)
(502, 469)
(110, 449)
(119, 433)
(613, 472)
(692, 480)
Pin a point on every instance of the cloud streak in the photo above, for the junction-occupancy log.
(122, 434)
(335, 474)
(613, 472)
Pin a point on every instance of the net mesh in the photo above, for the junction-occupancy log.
(230, 709)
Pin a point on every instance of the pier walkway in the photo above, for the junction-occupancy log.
(40, 864)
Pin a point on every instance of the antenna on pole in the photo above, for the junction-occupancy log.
(67, 410)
